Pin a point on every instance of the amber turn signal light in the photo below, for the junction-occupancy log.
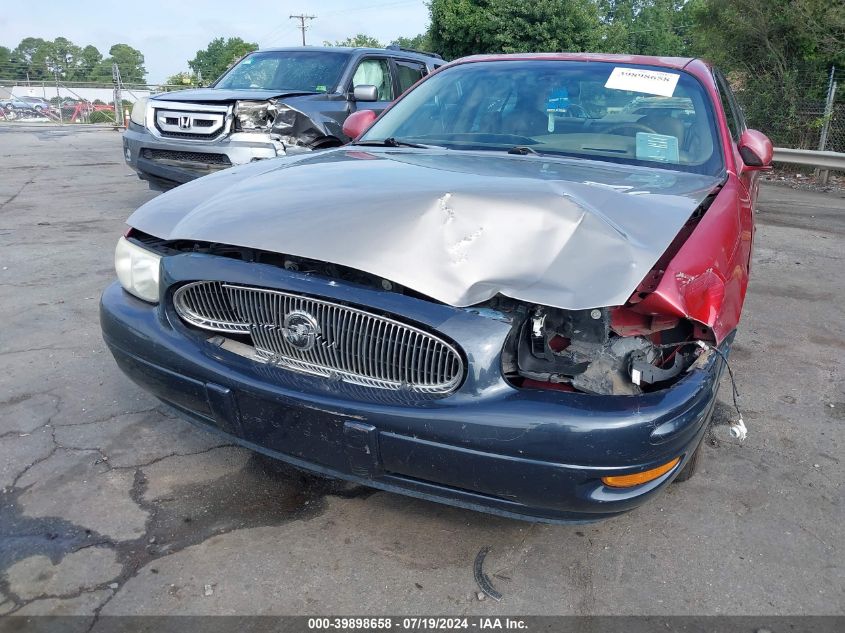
(635, 479)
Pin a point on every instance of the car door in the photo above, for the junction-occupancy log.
(749, 179)
(374, 71)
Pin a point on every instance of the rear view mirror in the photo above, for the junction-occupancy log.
(358, 122)
(365, 92)
(756, 150)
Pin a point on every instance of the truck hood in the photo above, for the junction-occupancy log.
(459, 227)
(214, 95)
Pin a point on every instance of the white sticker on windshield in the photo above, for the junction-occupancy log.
(650, 82)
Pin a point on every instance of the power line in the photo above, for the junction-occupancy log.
(302, 17)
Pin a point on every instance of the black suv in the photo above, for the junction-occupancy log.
(273, 102)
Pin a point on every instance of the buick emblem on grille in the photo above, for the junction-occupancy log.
(300, 330)
(184, 123)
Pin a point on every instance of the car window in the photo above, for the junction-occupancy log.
(600, 110)
(307, 71)
(408, 73)
(374, 72)
(735, 124)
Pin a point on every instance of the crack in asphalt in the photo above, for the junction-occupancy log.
(17, 193)
(111, 416)
(51, 348)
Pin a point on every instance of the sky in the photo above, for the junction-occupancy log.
(170, 32)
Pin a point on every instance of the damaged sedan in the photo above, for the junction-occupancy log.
(515, 291)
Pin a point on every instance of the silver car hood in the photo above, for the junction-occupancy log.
(459, 227)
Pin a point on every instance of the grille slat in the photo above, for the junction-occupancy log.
(186, 157)
(328, 339)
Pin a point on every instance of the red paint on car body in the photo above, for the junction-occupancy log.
(706, 280)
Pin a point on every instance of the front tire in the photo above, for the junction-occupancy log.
(691, 466)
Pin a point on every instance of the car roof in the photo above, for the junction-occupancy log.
(393, 52)
(643, 60)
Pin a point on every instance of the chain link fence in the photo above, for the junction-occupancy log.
(71, 103)
(809, 114)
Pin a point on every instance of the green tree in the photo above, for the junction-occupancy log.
(31, 58)
(777, 54)
(465, 27)
(360, 40)
(61, 57)
(89, 59)
(617, 18)
(183, 78)
(129, 60)
(37, 58)
(420, 42)
(7, 65)
(218, 56)
(645, 27)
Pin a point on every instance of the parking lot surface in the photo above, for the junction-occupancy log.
(111, 506)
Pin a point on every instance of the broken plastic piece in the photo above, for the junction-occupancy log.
(738, 430)
(643, 371)
(481, 578)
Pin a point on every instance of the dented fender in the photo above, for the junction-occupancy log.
(707, 279)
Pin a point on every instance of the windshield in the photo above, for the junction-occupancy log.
(306, 71)
(630, 114)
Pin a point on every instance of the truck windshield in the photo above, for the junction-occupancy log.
(621, 113)
(306, 71)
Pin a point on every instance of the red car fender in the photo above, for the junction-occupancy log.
(707, 278)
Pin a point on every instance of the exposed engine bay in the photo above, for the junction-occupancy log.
(582, 351)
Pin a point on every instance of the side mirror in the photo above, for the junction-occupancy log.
(756, 150)
(358, 122)
(365, 92)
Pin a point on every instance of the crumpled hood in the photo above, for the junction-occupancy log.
(459, 227)
(209, 95)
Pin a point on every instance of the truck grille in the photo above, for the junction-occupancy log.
(323, 338)
(189, 120)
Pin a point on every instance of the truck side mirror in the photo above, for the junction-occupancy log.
(365, 92)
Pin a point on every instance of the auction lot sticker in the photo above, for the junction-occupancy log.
(650, 82)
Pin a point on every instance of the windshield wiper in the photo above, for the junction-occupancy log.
(391, 141)
(522, 150)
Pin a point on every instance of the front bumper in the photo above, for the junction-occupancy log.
(238, 149)
(528, 454)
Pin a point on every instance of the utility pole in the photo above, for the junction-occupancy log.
(118, 97)
(58, 96)
(302, 17)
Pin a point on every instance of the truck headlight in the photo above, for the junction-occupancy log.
(139, 112)
(137, 270)
(257, 116)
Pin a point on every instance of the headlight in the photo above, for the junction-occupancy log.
(255, 115)
(137, 270)
(139, 112)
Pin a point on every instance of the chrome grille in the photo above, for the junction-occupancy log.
(323, 338)
(198, 121)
